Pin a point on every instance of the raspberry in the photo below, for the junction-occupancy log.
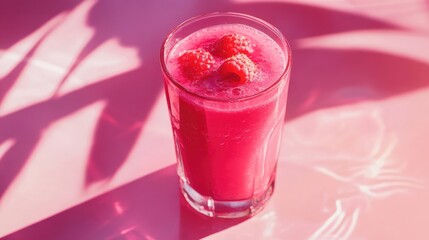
(197, 64)
(239, 67)
(232, 44)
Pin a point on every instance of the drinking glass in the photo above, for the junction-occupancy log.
(226, 149)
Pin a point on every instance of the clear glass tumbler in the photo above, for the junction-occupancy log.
(227, 149)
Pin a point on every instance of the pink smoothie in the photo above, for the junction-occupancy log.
(227, 134)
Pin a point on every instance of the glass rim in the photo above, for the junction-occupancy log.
(284, 45)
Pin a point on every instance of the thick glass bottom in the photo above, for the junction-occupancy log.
(225, 209)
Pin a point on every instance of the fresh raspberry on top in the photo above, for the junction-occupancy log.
(238, 67)
(232, 44)
(196, 64)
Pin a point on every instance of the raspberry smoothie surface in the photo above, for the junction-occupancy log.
(216, 46)
(227, 145)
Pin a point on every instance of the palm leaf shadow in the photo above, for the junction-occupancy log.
(318, 81)
(299, 21)
(19, 18)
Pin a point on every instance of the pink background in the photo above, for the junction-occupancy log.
(86, 150)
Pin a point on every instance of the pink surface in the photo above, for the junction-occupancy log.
(86, 150)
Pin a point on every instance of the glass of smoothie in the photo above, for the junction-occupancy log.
(226, 82)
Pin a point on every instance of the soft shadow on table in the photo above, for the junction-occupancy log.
(26, 125)
(128, 96)
(147, 208)
(324, 78)
(18, 19)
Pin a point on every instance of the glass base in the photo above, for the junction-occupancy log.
(225, 209)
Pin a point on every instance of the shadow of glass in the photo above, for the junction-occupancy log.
(148, 208)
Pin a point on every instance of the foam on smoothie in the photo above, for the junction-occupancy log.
(267, 56)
